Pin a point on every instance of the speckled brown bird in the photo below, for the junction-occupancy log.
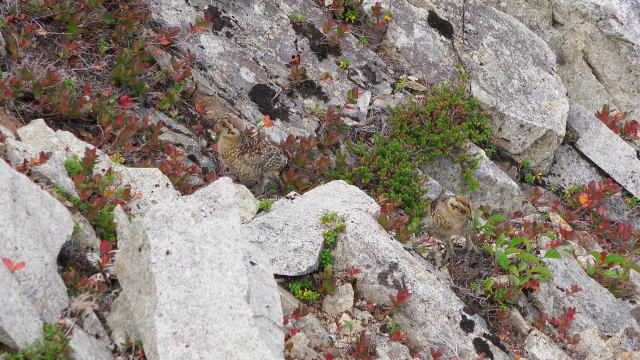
(449, 216)
(251, 156)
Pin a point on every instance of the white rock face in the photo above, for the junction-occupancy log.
(433, 313)
(184, 270)
(516, 85)
(20, 322)
(596, 307)
(290, 235)
(496, 189)
(570, 168)
(606, 149)
(597, 45)
(34, 228)
(540, 347)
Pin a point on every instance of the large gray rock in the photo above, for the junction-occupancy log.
(596, 307)
(433, 315)
(247, 57)
(512, 75)
(411, 41)
(496, 189)
(290, 235)
(597, 45)
(570, 168)
(184, 266)
(34, 228)
(152, 185)
(606, 149)
(20, 322)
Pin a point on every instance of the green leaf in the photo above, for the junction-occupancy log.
(515, 242)
(611, 273)
(529, 257)
(502, 260)
(542, 271)
(552, 254)
(514, 270)
(495, 219)
(614, 258)
(488, 283)
(500, 240)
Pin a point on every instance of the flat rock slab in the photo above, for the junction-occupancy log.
(596, 307)
(433, 315)
(606, 149)
(183, 269)
(290, 235)
(571, 168)
(496, 189)
(34, 228)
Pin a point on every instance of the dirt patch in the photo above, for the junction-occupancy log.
(309, 89)
(317, 40)
(218, 20)
(263, 96)
(443, 27)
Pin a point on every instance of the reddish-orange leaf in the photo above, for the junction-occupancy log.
(8, 263)
(200, 108)
(125, 101)
(584, 200)
(267, 121)
(11, 266)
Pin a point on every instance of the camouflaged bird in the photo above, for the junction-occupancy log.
(449, 216)
(251, 156)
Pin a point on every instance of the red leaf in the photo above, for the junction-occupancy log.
(125, 101)
(8, 263)
(13, 267)
(105, 247)
(19, 266)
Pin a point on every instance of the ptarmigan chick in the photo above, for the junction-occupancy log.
(252, 157)
(450, 216)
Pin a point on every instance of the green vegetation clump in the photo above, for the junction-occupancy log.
(440, 125)
(265, 205)
(302, 290)
(54, 347)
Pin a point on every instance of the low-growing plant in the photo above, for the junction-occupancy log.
(325, 258)
(265, 205)
(134, 350)
(613, 271)
(344, 63)
(401, 84)
(522, 268)
(303, 291)
(54, 347)
(628, 130)
(98, 194)
(438, 126)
